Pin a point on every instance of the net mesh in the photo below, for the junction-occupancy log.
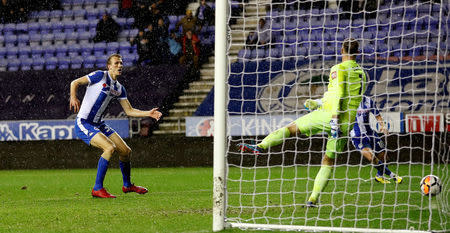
(287, 59)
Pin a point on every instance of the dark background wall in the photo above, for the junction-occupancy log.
(178, 150)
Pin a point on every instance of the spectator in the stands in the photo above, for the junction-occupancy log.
(191, 50)
(174, 47)
(143, 48)
(125, 8)
(204, 15)
(152, 39)
(261, 36)
(141, 16)
(161, 49)
(188, 22)
(107, 29)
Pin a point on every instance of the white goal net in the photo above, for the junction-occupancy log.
(286, 60)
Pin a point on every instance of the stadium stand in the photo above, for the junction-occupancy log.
(49, 34)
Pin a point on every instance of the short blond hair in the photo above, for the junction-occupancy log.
(108, 62)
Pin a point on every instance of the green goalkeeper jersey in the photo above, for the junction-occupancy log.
(347, 82)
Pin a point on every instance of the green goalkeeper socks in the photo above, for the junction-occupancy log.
(320, 182)
(275, 138)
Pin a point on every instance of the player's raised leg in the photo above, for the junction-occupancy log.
(124, 152)
(101, 141)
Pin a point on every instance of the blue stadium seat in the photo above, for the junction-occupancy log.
(35, 39)
(74, 50)
(10, 40)
(69, 26)
(60, 38)
(33, 27)
(49, 52)
(21, 28)
(101, 4)
(13, 64)
(24, 51)
(173, 19)
(79, 14)
(93, 14)
(99, 49)
(38, 64)
(25, 64)
(288, 51)
(301, 51)
(45, 27)
(51, 63)
(67, 15)
(89, 62)
(76, 62)
(2, 52)
(122, 22)
(89, 4)
(112, 47)
(84, 37)
(47, 39)
(82, 25)
(3, 65)
(55, 15)
(130, 22)
(86, 49)
(9, 29)
(43, 16)
(100, 61)
(61, 51)
(37, 52)
(63, 62)
(33, 16)
(22, 40)
(71, 38)
(57, 27)
(77, 4)
(92, 25)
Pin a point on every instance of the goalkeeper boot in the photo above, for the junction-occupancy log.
(102, 193)
(311, 204)
(397, 179)
(134, 188)
(244, 147)
(381, 179)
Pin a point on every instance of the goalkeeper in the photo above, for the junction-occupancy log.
(334, 116)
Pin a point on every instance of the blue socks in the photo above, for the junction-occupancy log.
(382, 169)
(125, 167)
(101, 172)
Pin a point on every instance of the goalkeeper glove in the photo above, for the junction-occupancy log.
(335, 131)
(311, 104)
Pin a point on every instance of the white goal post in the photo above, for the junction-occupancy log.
(405, 52)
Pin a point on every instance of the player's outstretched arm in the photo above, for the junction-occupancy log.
(74, 102)
(130, 111)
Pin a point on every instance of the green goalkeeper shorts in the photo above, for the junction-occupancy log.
(319, 121)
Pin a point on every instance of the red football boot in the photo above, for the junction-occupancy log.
(134, 188)
(102, 193)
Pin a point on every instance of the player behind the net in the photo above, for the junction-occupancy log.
(103, 86)
(335, 116)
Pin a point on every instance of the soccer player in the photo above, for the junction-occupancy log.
(103, 86)
(335, 116)
(367, 141)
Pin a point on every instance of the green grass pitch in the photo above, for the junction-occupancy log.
(179, 200)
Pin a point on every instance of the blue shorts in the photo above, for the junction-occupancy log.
(86, 130)
(370, 140)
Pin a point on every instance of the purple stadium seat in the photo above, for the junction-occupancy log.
(173, 19)
(79, 14)
(13, 64)
(38, 64)
(89, 62)
(57, 27)
(2, 52)
(63, 62)
(74, 50)
(10, 40)
(112, 47)
(37, 52)
(22, 28)
(77, 4)
(84, 37)
(45, 27)
(100, 61)
(76, 62)
(82, 25)
(61, 51)
(60, 38)
(130, 22)
(67, 15)
(3, 65)
(69, 26)
(33, 27)
(22, 40)
(99, 49)
(9, 29)
(43, 16)
(122, 22)
(47, 39)
(55, 15)
(93, 14)
(35, 39)
(24, 51)
(51, 63)
(25, 64)
(101, 4)
(49, 51)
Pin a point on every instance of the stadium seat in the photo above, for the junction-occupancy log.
(89, 4)
(122, 22)
(69, 27)
(86, 49)
(43, 16)
(33, 27)
(22, 40)
(79, 14)
(37, 52)
(38, 64)
(93, 14)
(82, 25)
(112, 47)
(55, 15)
(63, 62)
(67, 15)
(49, 52)
(77, 4)
(99, 49)
(45, 27)
(13, 64)
(84, 37)
(61, 51)
(24, 51)
(35, 39)
(74, 50)
(3, 65)
(130, 22)
(100, 61)
(47, 39)
(51, 63)
(10, 40)
(101, 4)
(60, 38)
(173, 19)
(71, 38)
(9, 29)
(89, 62)
(76, 62)
(125, 45)
(25, 64)
(57, 27)
(21, 28)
